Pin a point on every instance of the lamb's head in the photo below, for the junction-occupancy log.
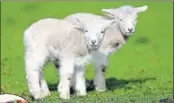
(94, 32)
(126, 17)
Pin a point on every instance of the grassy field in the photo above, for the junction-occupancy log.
(141, 72)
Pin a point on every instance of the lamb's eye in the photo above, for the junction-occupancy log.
(103, 31)
(120, 19)
(136, 19)
(86, 30)
(117, 44)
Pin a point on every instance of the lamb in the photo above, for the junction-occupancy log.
(126, 18)
(59, 41)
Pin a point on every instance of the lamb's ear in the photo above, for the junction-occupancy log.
(108, 12)
(79, 26)
(110, 23)
(78, 20)
(141, 9)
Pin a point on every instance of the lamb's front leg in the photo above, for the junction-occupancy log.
(99, 80)
(79, 76)
(66, 72)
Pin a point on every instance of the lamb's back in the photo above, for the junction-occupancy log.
(55, 34)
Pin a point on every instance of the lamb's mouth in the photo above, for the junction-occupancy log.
(128, 33)
(126, 36)
(94, 46)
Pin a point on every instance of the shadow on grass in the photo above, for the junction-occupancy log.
(142, 40)
(10, 21)
(112, 83)
(30, 7)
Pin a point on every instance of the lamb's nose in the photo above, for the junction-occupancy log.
(93, 42)
(130, 29)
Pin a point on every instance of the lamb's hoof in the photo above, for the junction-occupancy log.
(41, 95)
(81, 94)
(37, 97)
(46, 93)
(65, 96)
(101, 90)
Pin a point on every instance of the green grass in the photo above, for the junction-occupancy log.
(140, 72)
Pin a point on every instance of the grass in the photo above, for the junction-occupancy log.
(141, 72)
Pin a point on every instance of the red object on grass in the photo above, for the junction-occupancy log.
(21, 101)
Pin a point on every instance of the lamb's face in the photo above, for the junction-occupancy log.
(126, 17)
(94, 36)
(127, 23)
(94, 33)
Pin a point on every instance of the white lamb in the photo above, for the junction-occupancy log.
(126, 18)
(59, 41)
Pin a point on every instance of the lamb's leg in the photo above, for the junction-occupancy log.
(34, 61)
(73, 81)
(99, 80)
(80, 86)
(57, 64)
(66, 71)
(44, 87)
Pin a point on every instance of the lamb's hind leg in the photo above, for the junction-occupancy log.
(34, 62)
(44, 87)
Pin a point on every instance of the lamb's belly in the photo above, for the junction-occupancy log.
(83, 60)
